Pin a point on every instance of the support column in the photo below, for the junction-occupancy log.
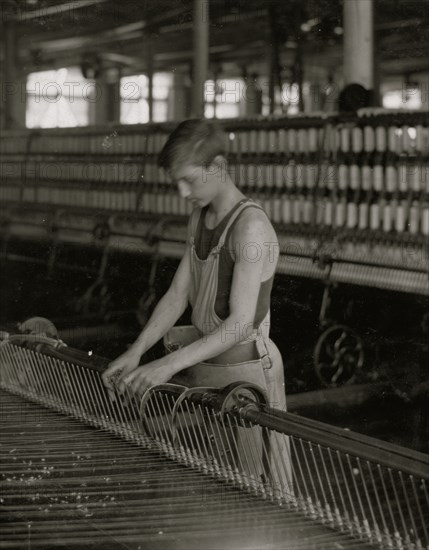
(272, 79)
(358, 42)
(178, 98)
(105, 109)
(252, 97)
(13, 84)
(200, 55)
(150, 81)
(423, 82)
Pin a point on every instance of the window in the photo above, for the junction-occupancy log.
(135, 94)
(228, 93)
(409, 97)
(57, 99)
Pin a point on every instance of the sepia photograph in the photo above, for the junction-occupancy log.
(214, 274)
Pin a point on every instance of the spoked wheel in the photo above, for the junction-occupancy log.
(96, 299)
(338, 355)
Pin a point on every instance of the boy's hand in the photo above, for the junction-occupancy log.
(146, 376)
(120, 367)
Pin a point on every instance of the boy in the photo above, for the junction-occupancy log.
(226, 274)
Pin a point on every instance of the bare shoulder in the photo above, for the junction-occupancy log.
(254, 223)
(255, 237)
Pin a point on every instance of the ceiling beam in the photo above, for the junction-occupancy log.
(55, 10)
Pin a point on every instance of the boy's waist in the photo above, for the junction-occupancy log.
(239, 353)
(243, 351)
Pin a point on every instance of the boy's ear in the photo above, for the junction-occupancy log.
(219, 160)
(218, 164)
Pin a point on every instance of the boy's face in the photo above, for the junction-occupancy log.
(197, 184)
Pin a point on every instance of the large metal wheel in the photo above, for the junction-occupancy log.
(338, 355)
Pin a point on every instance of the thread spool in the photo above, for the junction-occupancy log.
(391, 139)
(268, 175)
(329, 213)
(253, 141)
(419, 138)
(416, 177)
(391, 178)
(414, 218)
(407, 141)
(352, 215)
(320, 211)
(312, 140)
(302, 140)
(369, 139)
(331, 177)
(262, 146)
(286, 210)
(343, 175)
(296, 208)
(233, 142)
(244, 141)
(380, 139)
(278, 176)
(367, 177)
(345, 139)
(252, 174)
(378, 177)
(307, 211)
(276, 209)
(299, 175)
(400, 217)
(363, 215)
(282, 141)
(292, 140)
(403, 177)
(425, 219)
(272, 141)
(374, 216)
(354, 176)
(310, 175)
(340, 213)
(357, 140)
(290, 174)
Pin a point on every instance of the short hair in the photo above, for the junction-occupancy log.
(194, 141)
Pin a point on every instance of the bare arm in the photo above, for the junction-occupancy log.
(167, 312)
(169, 309)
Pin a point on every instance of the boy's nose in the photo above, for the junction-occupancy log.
(184, 189)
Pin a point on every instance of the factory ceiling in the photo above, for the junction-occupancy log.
(138, 35)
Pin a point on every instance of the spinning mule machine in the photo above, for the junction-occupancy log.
(187, 467)
(349, 198)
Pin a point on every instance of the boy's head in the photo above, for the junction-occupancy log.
(195, 142)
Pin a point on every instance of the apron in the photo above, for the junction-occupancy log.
(266, 371)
